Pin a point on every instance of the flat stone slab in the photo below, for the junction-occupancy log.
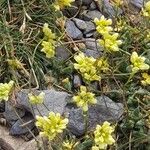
(53, 101)
(104, 110)
(14, 143)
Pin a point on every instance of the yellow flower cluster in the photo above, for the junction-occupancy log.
(103, 136)
(49, 42)
(86, 66)
(52, 125)
(103, 26)
(48, 49)
(36, 99)
(109, 40)
(138, 62)
(5, 89)
(146, 9)
(146, 79)
(84, 98)
(60, 4)
(15, 63)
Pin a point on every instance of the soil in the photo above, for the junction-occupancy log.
(4, 145)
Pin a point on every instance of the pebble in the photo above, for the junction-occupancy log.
(77, 82)
(137, 3)
(91, 15)
(90, 28)
(62, 53)
(91, 44)
(17, 128)
(81, 24)
(10, 114)
(73, 31)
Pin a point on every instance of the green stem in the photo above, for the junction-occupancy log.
(85, 115)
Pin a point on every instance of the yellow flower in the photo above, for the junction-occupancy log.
(95, 148)
(138, 62)
(103, 136)
(52, 125)
(103, 25)
(60, 4)
(146, 9)
(84, 98)
(147, 6)
(15, 63)
(36, 99)
(110, 42)
(86, 66)
(49, 42)
(146, 80)
(102, 64)
(48, 49)
(5, 89)
(49, 36)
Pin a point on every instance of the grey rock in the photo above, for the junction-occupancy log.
(54, 101)
(91, 53)
(71, 11)
(62, 53)
(18, 129)
(91, 44)
(91, 15)
(2, 106)
(95, 86)
(86, 2)
(90, 27)
(108, 10)
(90, 34)
(81, 24)
(92, 6)
(104, 110)
(73, 31)
(137, 3)
(10, 114)
(77, 81)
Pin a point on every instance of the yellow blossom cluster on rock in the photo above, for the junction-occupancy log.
(5, 89)
(49, 42)
(84, 98)
(36, 99)
(52, 125)
(60, 4)
(109, 39)
(102, 136)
